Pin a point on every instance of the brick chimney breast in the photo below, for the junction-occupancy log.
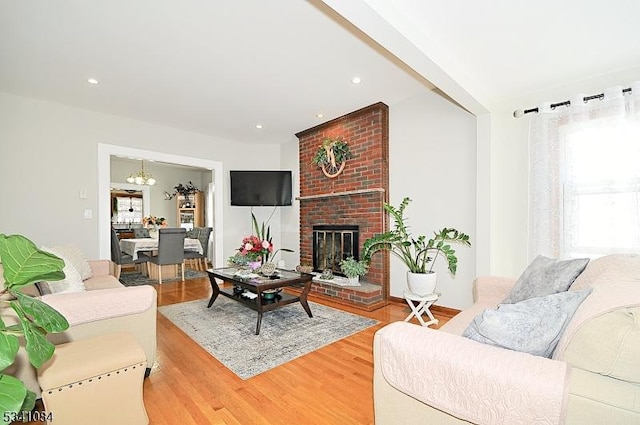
(354, 197)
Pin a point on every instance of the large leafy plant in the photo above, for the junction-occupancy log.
(23, 263)
(418, 254)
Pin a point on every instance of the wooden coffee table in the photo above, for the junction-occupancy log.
(258, 285)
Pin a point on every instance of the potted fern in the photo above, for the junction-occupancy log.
(23, 263)
(418, 254)
(353, 269)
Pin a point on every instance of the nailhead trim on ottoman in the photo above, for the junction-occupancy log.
(97, 381)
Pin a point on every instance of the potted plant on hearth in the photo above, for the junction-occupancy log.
(418, 254)
(353, 269)
(30, 321)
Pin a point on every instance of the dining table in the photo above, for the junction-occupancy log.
(134, 245)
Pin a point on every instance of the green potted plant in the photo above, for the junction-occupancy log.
(186, 191)
(23, 263)
(418, 254)
(353, 269)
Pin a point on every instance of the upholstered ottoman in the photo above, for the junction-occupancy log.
(96, 380)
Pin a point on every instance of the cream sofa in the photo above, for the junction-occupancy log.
(105, 307)
(427, 376)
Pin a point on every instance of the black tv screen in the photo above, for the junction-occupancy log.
(261, 188)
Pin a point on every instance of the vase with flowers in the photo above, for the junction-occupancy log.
(153, 223)
(256, 249)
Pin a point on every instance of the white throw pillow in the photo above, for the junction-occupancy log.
(72, 281)
(78, 260)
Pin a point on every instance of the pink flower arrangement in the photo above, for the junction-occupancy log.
(152, 220)
(255, 249)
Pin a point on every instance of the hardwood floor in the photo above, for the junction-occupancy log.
(332, 385)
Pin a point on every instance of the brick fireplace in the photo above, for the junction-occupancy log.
(354, 198)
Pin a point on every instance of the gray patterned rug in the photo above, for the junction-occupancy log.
(137, 278)
(227, 331)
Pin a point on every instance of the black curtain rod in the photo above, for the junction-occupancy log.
(518, 113)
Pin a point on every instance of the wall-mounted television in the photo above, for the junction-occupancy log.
(261, 188)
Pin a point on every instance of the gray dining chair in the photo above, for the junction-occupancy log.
(141, 232)
(170, 250)
(120, 258)
(202, 234)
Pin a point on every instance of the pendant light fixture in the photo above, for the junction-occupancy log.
(141, 177)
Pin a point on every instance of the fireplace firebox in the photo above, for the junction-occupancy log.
(332, 244)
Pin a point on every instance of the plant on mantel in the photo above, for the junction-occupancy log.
(23, 264)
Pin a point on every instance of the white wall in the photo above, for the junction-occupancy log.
(432, 160)
(509, 175)
(290, 216)
(49, 155)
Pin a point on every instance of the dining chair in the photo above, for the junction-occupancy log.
(141, 232)
(120, 258)
(170, 250)
(203, 234)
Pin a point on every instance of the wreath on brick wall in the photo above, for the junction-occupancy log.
(332, 157)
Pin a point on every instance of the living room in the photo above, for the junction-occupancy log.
(52, 143)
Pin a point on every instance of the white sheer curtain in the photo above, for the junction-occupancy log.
(584, 176)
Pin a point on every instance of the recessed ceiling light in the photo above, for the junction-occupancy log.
(319, 115)
(92, 81)
(356, 80)
(258, 125)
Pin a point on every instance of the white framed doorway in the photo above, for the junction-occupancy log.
(106, 151)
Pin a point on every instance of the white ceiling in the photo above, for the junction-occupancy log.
(502, 49)
(221, 67)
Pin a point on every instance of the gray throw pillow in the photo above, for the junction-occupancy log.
(531, 326)
(545, 276)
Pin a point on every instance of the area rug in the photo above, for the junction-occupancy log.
(137, 278)
(227, 331)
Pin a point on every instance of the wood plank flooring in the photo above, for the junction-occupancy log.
(332, 385)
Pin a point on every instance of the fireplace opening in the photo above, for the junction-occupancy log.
(332, 244)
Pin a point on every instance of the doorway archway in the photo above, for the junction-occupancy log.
(105, 151)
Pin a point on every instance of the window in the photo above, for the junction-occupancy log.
(127, 209)
(584, 195)
(601, 190)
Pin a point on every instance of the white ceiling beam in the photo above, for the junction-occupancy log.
(381, 21)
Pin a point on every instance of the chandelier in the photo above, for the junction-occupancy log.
(141, 177)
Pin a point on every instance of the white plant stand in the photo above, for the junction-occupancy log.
(424, 302)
